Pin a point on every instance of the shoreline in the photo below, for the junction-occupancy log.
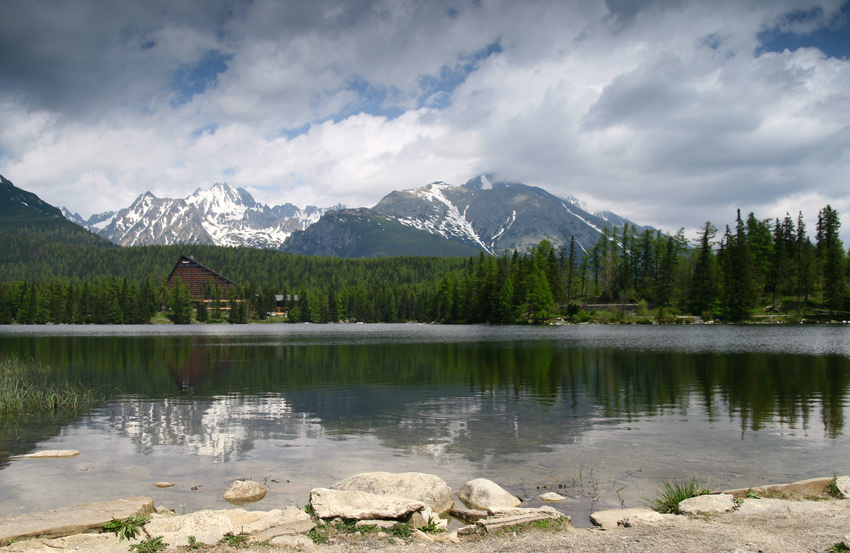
(810, 515)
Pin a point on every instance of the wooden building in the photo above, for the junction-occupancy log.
(198, 277)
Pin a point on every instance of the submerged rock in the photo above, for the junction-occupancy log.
(427, 488)
(553, 497)
(52, 454)
(244, 491)
(486, 494)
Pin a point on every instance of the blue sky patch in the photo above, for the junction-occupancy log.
(833, 40)
(191, 79)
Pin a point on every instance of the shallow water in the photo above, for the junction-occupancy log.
(603, 414)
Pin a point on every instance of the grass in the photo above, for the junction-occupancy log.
(832, 489)
(151, 545)
(126, 529)
(674, 492)
(26, 389)
(234, 540)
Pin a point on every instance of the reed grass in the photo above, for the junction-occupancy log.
(674, 492)
(26, 388)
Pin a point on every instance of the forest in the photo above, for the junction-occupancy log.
(756, 270)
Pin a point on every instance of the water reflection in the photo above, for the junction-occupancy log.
(528, 399)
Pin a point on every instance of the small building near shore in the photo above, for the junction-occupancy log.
(198, 278)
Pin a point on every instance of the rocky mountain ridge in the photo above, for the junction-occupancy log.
(221, 215)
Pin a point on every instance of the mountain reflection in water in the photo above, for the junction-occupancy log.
(517, 404)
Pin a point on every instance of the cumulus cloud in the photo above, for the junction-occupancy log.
(670, 112)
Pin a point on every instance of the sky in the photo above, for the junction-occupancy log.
(668, 112)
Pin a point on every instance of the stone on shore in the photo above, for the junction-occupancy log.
(359, 505)
(52, 454)
(241, 492)
(102, 543)
(206, 526)
(843, 485)
(609, 519)
(164, 485)
(427, 488)
(649, 518)
(486, 494)
(707, 504)
(813, 487)
(72, 520)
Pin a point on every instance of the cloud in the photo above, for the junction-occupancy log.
(670, 112)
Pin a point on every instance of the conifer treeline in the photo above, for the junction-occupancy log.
(755, 264)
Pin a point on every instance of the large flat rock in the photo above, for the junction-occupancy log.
(804, 489)
(609, 519)
(72, 520)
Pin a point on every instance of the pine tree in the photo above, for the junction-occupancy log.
(736, 262)
(831, 259)
(703, 282)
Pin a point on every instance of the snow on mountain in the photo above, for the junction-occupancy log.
(496, 216)
(220, 215)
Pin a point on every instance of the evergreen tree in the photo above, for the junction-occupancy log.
(736, 262)
(831, 259)
(703, 282)
(179, 303)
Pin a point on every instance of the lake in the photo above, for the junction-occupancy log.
(603, 414)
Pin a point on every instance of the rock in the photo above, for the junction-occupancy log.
(427, 488)
(52, 454)
(469, 515)
(765, 505)
(843, 485)
(206, 526)
(486, 494)
(299, 543)
(553, 497)
(421, 519)
(707, 504)
(164, 485)
(241, 492)
(513, 511)
(102, 543)
(264, 525)
(795, 490)
(72, 520)
(610, 518)
(419, 535)
(649, 518)
(359, 505)
(381, 524)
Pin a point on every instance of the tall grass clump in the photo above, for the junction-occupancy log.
(674, 492)
(27, 389)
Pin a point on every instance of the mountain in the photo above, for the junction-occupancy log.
(496, 216)
(221, 215)
(24, 213)
(365, 233)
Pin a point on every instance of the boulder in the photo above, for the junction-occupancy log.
(796, 490)
(241, 492)
(486, 494)
(707, 504)
(843, 485)
(102, 543)
(649, 518)
(609, 519)
(52, 454)
(427, 488)
(72, 520)
(297, 543)
(206, 526)
(359, 505)
(264, 525)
